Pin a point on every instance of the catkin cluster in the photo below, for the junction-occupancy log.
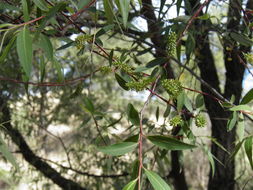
(140, 85)
(176, 121)
(171, 44)
(200, 121)
(123, 66)
(173, 87)
(80, 41)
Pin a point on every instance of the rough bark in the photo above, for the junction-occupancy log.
(29, 155)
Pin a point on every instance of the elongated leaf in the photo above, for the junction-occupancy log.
(6, 153)
(41, 4)
(7, 49)
(108, 6)
(133, 115)
(24, 49)
(47, 47)
(6, 6)
(241, 107)
(65, 46)
(118, 149)
(157, 61)
(237, 148)
(169, 143)
(232, 121)
(248, 97)
(131, 185)
(157, 113)
(121, 81)
(104, 30)
(156, 181)
(240, 127)
(199, 101)
(25, 10)
(83, 3)
(248, 150)
(242, 39)
(211, 160)
(124, 9)
(89, 105)
(59, 70)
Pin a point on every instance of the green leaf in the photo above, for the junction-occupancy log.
(59, 70)
(240, 127)
(133, 115)
(65, 46)
(248, 150)
(237, 148)
(131, 185)
(157, 61)
(135, 169)
(6, 6)
(118, 149)
(167, 111)
(41, 4)
(7, 49)
(156, 181)
(204, 17)
(180, 101)
(242, 39)
(104, 30)
(169, 143)
(83, 3)
(7, 154)
(89, 105)
(121, 81)
(47, 47)
(24, 49)
(124, 9)
(248, 97)
(25, 10)
(232, 121)
(199, 101)
(241, 107)
(108, 6)
(210, 158)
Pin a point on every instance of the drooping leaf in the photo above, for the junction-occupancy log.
(167, 111)
(47, 47)
(199, 101)
(83, 3)
(124, 10)
(248, 150)
(59, 70)
(121, 82)
(25, 10)
(242, 39)
(241, 107)
(118, 149)
(25, 51)
(156, 181)
(157, 61)
(89, 105)
(237, 148)
(104, 30)
(210, 158)
(248, 97)
(131, 185)
(135, 169)
(108, 6)
(169, 143)
(133, 115)
(240, 127)
(66, 46)
(7, 49)
(157, 113)
(41, 4)
(7, 154)
(232, 121)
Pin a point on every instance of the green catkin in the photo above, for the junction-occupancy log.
(176, 121)
(173, 87)
(171, 44)
(106, 69)
(140, 85)
(80, 41)
(123, 66)
(200, 121)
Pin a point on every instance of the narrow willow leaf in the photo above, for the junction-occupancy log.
(104, 30)
(241, 107)
(156, 181)
(118, 149)
(89, 105)
(24, 49)
(157, 113)
(180, 101)
(199, 102)
(6, 153)
(232, 121)
(167, 111)
(66, 45)
(7, 49)
(211, 160)
(121, 81)
(131, 185)
(242, 39)
(59, 70)
(237, 148)
(248, 97)
(25, 10)
(108, 7)
(83, 3)
(169, 143)
(157, 61)
(240, 127)
(248, 150)
(124, 9)
(133, 115)
(41, 4)
(47, 47)
(6, 6)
